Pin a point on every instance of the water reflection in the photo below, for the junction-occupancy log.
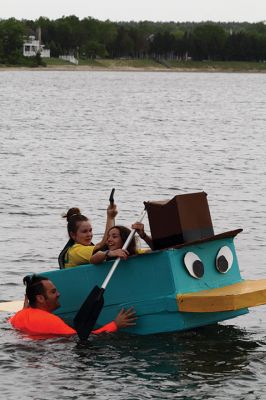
(209, 355)
(211, 350)
(115, 364)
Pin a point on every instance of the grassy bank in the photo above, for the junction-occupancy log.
(150, 64)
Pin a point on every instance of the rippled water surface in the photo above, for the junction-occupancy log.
(67, 138)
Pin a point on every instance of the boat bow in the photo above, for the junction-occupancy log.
(245, 294)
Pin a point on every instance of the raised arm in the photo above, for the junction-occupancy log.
(141, 232)
(111, 214)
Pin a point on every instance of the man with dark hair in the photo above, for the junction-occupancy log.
(43, 297)
(34, 286)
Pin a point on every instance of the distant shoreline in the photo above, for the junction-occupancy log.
(129, 69)
(147, 66)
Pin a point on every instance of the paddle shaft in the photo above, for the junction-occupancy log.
(125, 246)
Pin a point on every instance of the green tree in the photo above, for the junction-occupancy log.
(208, 42)
(12, 34)
(92, 49)
(140, 42)
(123, 45)
(164, 45)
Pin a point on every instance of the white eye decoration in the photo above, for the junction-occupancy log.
(194, 265)
(224, 259)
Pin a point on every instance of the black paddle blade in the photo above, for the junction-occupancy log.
(88, 313)
(111, 198)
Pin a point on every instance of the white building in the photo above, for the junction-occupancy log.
(32, 46)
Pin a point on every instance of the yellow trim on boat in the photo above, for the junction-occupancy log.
(240, 295)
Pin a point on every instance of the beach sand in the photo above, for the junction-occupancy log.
(206, 68)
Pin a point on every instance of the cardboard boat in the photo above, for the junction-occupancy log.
(191, 279)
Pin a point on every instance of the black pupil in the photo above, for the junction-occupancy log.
(222, 264)
(198, 268)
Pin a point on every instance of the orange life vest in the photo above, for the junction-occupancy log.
(38, 322)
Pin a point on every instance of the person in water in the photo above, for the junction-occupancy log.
(43, 298)
(80, 248)
(117, 236)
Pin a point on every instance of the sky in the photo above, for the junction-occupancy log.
(138, 10)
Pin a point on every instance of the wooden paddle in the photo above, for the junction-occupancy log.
(88, 313)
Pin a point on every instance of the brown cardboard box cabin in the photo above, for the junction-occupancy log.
(184, 218)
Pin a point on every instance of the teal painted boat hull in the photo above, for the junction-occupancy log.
(150, 283)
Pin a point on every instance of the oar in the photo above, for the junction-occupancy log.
(11, 306)
(88, 313)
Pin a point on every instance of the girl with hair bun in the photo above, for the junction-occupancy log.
(79, 249)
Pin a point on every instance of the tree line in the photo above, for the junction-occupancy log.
(91, 38)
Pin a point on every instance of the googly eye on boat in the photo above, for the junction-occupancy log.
(224, 259)
(194, 265)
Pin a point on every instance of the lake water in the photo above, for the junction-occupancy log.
(67, 138)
